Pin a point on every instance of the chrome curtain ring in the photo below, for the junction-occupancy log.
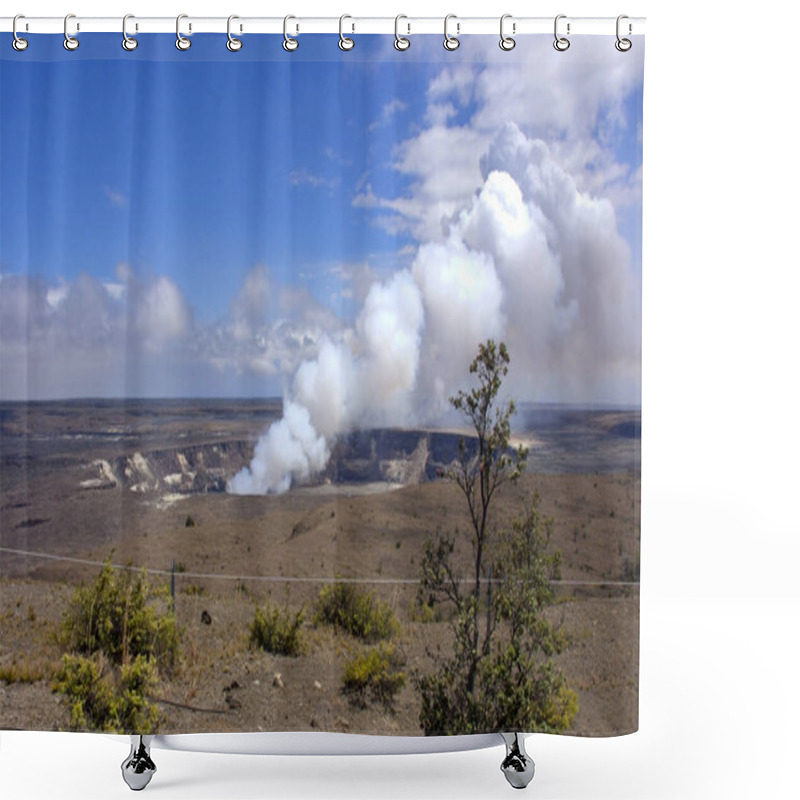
(70, 42)
(345, 43)
(451, 42)
(400, 42)
(623, 45)
(233, 44)
(181, 42)
(128, 42)
(289, 44)
(18, 43)
(561, 43)
(506, 42)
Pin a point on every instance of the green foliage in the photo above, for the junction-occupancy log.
(123, 616)
(500, 674)
(350, 608)
(103, 699)
(374, 676)
(421, 611)
(190, 523)
(513, 693)
(277, 631)
(495, 462)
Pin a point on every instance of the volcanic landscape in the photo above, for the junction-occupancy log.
(144, 482)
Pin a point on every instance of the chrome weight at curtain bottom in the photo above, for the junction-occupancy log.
(138, 767)
(291, 43)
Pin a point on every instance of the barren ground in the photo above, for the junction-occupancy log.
(358, 530)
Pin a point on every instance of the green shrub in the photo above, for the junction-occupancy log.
(277, 631)
(102, 699)
(123, 616)
(521, 695)
(420, 611)
(374, 675)
(346, 606)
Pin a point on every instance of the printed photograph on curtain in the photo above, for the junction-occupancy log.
(320, 401)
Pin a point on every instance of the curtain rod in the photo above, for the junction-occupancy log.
(408, 26)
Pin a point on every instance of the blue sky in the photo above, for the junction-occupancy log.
(159, 184)
(165, 165)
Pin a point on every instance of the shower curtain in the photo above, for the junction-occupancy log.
(320, 384)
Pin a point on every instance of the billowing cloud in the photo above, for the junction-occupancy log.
(81, 338)
(291, 449)
(160, 313)
(250, 308)
(365, 377)
(269, 329)
(516, 237)
(529, 259)
(574, 102)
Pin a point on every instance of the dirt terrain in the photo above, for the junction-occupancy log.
(84, 481)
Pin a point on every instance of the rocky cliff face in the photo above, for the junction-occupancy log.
(195, 469)
(393, 455)
(390, 455)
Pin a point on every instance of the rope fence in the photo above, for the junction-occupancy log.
(277, 578)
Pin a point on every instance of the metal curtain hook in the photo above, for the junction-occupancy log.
(18, 43)
(506, 42)
(128, 42)
(451, 42)
(233, 44)
(561, 43)
(181, 42)
(289, 44)
(70, 42)
(400, 42)
(345, 43)
(623, 45)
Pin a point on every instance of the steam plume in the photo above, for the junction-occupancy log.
(531, 260)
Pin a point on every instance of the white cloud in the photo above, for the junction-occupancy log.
(250, 307)
(529, 259)
(269, 330)
(83, 337)
(160, 313)
(573, 101)
(304, 177)
(364, 377)
(443, 165)
(388, 112)
(56, 295)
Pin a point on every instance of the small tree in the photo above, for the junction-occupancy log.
(120, 631)
(124, 616)
(501, 675)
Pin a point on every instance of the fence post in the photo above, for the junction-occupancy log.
(172, 585)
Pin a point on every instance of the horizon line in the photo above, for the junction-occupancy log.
(585, 405)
